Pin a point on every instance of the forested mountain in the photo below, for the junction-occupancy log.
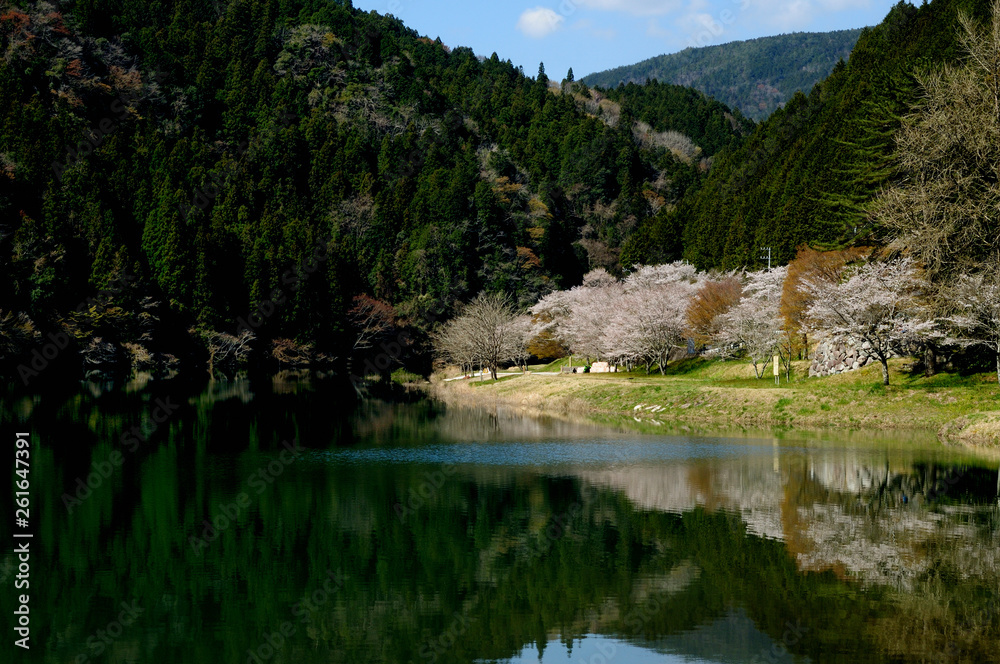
(176, 171)
(755, 76)
(807, 174)
(298, 180)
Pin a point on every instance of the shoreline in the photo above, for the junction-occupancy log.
(957, 411)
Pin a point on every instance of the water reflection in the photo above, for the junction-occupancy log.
(410, 533)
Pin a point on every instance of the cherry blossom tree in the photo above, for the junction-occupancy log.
(880, 307)
(522, 328)
(754, 325)
(226, 353)
(454, 343)
(641, 319)
(649, 319)
(578, 317)
(974, 301)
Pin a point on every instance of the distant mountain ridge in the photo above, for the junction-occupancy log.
(756, 76)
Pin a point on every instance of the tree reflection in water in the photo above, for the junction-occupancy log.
(545, 533)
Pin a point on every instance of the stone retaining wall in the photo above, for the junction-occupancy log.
(835, 356)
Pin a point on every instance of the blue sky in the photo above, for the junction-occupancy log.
(593, 35)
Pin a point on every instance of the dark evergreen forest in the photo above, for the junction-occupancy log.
(175, 171)
(756, 76)
(206, 183)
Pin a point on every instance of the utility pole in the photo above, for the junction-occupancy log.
(768, 249)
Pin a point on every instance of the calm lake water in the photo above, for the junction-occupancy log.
(283, 522)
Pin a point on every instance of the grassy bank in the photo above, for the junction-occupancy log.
(960, 409)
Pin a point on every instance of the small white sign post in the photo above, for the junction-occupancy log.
(777, 369)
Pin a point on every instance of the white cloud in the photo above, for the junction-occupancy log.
(539, 22)
(634, 7)
(842, 5)
(793, 15)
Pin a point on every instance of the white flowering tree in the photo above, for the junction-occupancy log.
(649, 319)
(522, 333)
(578, 317)
(755, 324)
(638, 320)
(974, 301)
(880, 307)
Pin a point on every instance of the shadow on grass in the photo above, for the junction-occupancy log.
(476, 382)
(687, 366)
(942, 380)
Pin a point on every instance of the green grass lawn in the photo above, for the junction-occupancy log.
(727, 392)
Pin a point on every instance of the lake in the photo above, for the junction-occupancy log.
(284, 521)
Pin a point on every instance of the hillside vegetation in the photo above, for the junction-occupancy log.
(182, 165)
(808, 173)
(756, 76)
(301, 182)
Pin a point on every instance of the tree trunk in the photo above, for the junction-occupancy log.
(885, 370)
(998, 362)
(930, 360)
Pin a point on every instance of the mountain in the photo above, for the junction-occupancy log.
(176, 174)
(187, 182)
(806, 174)
(755, 76)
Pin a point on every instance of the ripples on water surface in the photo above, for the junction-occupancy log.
(411, 533)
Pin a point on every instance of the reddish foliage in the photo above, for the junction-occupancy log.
(18, 18)
(527, 259)
(713, 299)
(371, 319)
(56, 24)
(811, 264)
